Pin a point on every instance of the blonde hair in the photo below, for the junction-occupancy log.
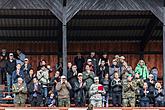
(158, 85)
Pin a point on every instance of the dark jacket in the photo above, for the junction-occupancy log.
(27, 69)
(15, 76)
(106, 84)
(72, 78)
(10, 66)
(31, 92)
(79, 92)
(102, 70)
(145, 97)
(52, 83)
(79, 63)
(29, 79)
(50, 102)
(159, 96)
(116, 86)
(151, 86)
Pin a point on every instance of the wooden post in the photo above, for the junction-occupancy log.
(164, 47)
(64, 39)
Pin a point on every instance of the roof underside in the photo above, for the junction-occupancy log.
(42, 25)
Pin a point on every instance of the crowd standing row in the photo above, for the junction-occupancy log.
(89, 80)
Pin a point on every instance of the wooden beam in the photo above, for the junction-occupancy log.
(89, 28)
(31, 28)
(98, 52)
(113, 16)
(27, 16)
(102, 38)
(109, 28)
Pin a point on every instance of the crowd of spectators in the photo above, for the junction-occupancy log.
(91, 80)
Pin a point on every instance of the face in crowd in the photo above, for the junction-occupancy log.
(89, 62)
(18, 66)
(57, 74)
(105, 55)
(116, 75)
(26, 61)
(87, 68)
(80, 76)
(74, 68)
(129, 77)
(145, 85)
(137, 75)
(20, 80)
(114, 62)
(141, 62)
(35, 81)
(102, 63)
(31, 72)
(96, 80)
(69, 64)
(92, 54)
(11, 57)
(106, 76)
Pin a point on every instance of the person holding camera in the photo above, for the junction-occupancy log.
(95, 92)
(63, 89)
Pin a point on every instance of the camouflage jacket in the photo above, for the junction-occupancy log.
(129, 89)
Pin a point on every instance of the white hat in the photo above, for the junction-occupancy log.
(151, 75)
(26, 59)
(96, 78)
(63, 77)
(89, 60)
(80, 74)
(10, 54)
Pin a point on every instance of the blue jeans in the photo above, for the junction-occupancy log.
(144, 103)
(106, 100)
(9, 79)
(45, 91)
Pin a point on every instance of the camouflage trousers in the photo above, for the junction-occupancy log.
(96, 103)
(129, 102)
(64, 102)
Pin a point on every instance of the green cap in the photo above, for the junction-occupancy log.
(129, 75)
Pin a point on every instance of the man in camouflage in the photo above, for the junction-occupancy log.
(129, 88)
(139, 85)
(96, 91)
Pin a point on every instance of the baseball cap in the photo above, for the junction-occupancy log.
(96, 78)
(63, 77)
(80, 74)
(89, 60)
(10, 54)
(26, 59)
